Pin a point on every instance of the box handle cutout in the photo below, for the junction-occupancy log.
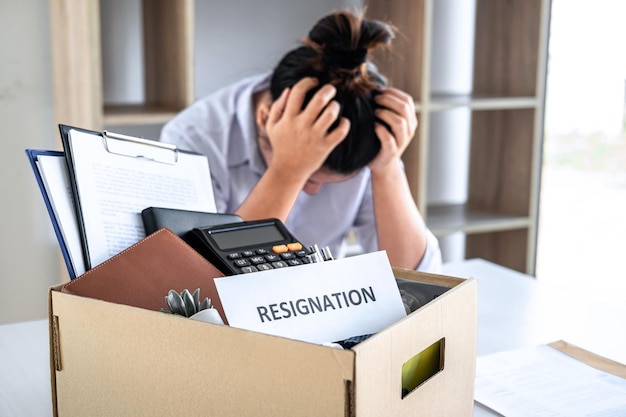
(56, 348)
(349, 398)
(423, 366)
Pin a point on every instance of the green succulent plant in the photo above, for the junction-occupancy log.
(184, 303)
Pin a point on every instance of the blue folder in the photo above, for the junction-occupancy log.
(33, 155)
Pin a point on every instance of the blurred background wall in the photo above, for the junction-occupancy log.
(233, 39)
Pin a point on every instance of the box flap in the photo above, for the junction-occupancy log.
(436, 279)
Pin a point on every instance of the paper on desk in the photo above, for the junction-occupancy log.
(544, 382)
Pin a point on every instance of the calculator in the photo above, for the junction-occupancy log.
(250, 246)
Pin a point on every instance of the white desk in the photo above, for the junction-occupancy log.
(514, 311)
(25, 370)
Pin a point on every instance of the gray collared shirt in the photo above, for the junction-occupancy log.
(221, 126)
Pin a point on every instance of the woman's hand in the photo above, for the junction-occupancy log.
(295, 142)
(397, 109)
(299, 137)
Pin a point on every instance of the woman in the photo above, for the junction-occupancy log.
(317, 144)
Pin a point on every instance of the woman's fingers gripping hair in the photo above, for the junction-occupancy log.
(278, 107)
(298, 95)
(339, 133)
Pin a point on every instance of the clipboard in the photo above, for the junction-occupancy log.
(589, 358)
(556, 378)
(114, 177)
(52, 179)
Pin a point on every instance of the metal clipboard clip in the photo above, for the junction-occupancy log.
(140, 148)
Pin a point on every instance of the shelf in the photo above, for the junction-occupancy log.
(446, 219)
(447, 102)
(507, 101)
(510, 44)
(168, 48)
(137, 114)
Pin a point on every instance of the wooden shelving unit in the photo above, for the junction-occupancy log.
(77, 63)
(499, 218)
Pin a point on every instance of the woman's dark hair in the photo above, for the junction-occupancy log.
(337, 51)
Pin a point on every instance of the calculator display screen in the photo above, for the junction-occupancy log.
(251, 236)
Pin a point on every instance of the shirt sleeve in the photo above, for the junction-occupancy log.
(431, 261)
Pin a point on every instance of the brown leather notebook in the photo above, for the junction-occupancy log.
(142, 275)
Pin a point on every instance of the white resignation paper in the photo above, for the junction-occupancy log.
(544, 382)
(114, 188)
(317, 303)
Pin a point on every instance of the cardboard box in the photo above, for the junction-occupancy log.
(116, 360)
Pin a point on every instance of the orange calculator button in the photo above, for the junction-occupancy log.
(294, 246)
(280, 248)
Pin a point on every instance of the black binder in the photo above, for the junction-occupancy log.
(182, 221)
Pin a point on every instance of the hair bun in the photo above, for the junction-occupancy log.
(346, 31)
(342, 42)
(345, 59)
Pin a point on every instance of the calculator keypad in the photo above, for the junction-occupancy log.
(264, 259)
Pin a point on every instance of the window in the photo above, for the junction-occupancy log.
(582, 218)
